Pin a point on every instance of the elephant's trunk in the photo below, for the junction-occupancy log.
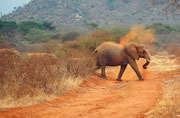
(146, 64)
(147, 61)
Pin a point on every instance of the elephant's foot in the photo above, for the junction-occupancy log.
(119, 79)
(104, 77)
(141, 79)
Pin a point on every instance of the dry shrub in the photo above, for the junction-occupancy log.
(79, 64)
(9, 58)
(49, 47)
(71, 35)
(43, 58)
(40, 74)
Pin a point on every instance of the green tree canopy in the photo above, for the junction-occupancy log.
(36, 35)
(7, 28)
(25, 26)
(161, 28)
(48, 25)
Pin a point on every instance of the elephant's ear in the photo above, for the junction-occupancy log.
(131, 50)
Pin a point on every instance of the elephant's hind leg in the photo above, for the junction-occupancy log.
(123, 67)
(103, 75)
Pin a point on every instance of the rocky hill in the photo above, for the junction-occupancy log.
(101, 12)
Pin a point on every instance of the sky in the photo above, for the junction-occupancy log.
(7, 6)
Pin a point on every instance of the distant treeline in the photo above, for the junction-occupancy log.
(9, 28)
(161, 28)
(31, 32)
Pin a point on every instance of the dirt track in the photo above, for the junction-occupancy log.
(99, 98)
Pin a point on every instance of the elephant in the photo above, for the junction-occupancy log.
(113, 54)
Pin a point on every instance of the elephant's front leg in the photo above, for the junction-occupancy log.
(135, 68)
(133, 64)
(123, 67)
(103, 75)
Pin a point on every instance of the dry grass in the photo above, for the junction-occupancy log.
(40, 77)
(169, 106)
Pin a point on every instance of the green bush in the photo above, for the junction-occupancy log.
(26, 26)
(99, 36)
(48, 25)
(36, 36)
(1, 39)
(71, 35)
(91, 43)
(161, 28)
(93, 25)
(1, 36)
(8, 28)
(177, 28)
(119, 32)
(55, 36)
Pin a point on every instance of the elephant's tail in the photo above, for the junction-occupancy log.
(94, 53)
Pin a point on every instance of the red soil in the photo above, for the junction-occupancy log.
(99, 98)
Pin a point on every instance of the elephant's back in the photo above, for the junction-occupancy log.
(113, 53)
(109, 46)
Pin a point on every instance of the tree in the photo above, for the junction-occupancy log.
(71, 35)
(8, 28)
(1, 38)
(161, 28)
(93, 25)
(36, 36)
(48, 25)
(26, 26)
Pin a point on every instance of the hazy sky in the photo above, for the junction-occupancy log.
(7, 6)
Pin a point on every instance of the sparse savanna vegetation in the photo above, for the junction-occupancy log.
(39, 62)
(60, 62)
(40, 76)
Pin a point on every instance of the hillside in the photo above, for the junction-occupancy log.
(102, 12)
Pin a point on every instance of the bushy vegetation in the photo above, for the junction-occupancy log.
(161, 28)
(101, 35)
(8, 28)
(71, 35)
(92, 24)
(48, 25)
(11, 30)
(25, 26)
(23, 75)
(36, 35)
(165, 33)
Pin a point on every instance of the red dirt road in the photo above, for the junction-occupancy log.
(99, 98)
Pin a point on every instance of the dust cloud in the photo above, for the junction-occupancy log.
(139, 34)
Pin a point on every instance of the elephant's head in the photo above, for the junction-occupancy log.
(137, 51)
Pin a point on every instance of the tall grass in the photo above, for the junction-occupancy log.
(35, 76)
